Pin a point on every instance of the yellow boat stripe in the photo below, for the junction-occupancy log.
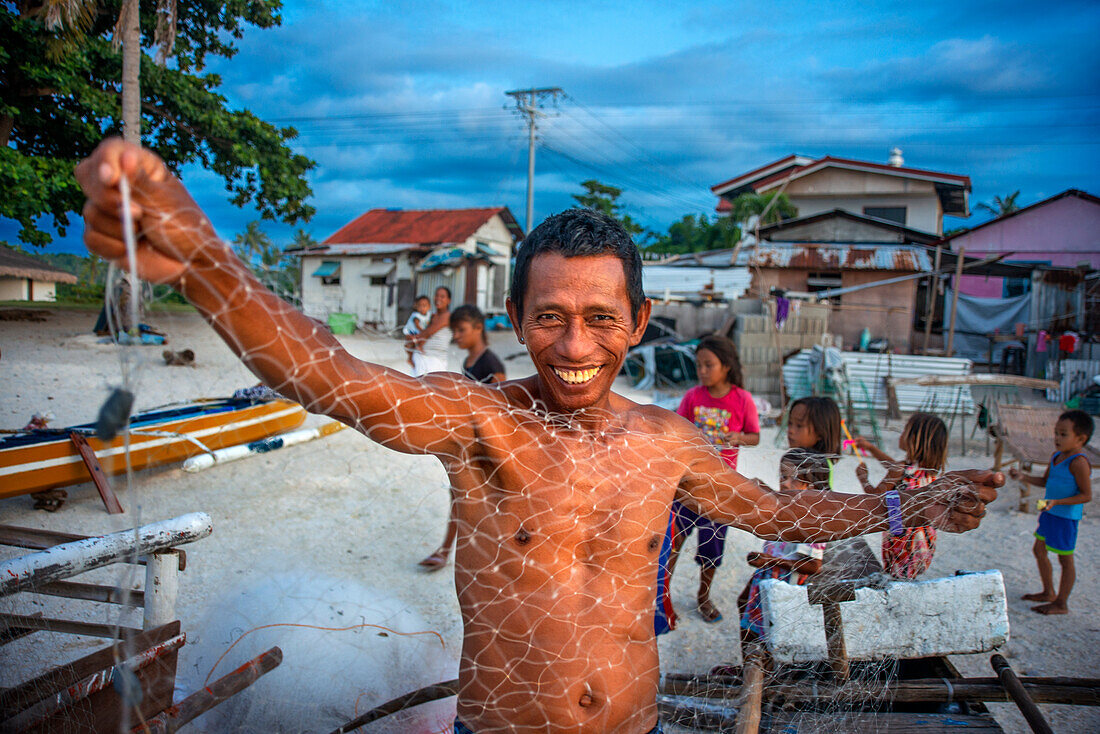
(151, 444)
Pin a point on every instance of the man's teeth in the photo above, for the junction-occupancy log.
(576, 377)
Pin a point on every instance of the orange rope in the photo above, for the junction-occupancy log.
(317, 627)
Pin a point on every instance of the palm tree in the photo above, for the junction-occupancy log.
(74, 19)
(771, 208)
(254, 243)
(999, 207)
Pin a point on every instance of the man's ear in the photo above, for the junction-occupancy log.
(513, 316)
(641, 322)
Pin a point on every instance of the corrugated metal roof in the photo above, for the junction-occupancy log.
(818, 256)
(684, 281)
(871, 370)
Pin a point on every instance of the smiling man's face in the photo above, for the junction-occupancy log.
(577, 325)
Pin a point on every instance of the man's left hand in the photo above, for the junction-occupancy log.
(955, 502)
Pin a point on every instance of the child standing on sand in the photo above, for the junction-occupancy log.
(813, 432)
(468, 332)
(924, 441)
(480, 365)
(1068, 488)
(726, 414)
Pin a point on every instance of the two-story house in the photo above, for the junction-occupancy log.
(915, 198)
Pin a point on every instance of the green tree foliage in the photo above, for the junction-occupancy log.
(59, 98)
(747, 205)
(999, 207)
(278, 270)
(697, 234)
(603, 198)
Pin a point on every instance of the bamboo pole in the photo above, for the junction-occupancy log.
(954, 303)
(24, 573)
(933, 287)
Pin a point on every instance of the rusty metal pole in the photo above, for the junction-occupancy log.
(1020, 697)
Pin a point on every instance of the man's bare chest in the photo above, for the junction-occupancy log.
(572, 488)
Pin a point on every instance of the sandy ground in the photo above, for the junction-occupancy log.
(347, 509)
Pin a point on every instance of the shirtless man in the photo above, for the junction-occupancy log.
(563, 488)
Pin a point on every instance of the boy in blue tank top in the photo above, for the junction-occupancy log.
(1068, 488)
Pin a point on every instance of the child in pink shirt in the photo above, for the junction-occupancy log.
(726, 414)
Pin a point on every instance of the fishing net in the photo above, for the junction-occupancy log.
(545, 608)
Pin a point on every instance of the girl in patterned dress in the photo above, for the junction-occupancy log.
(924, 441)
(813, 432)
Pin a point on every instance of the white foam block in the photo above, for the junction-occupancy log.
(906, 619)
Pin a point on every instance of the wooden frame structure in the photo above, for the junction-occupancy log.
(129, 684)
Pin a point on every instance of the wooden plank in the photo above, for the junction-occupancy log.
(983, 379)
(233, 683)
(1073, 691)
(13, 700)
(34, 538)
(885, 723)
(99, 477)
(106, 711)
(65, 626)
(751, 697)
(10, 634)
(92, 592)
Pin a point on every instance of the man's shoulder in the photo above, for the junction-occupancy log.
(646, 416)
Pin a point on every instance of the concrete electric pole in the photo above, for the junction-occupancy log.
(527, 104)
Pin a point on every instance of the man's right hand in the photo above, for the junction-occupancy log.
(172, 232)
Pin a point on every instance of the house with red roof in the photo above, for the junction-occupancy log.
(912, 197)
(377, 264)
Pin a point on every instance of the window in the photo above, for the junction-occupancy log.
(329, 272)
(378, 280)
(827, 281)
(1012, 287)
(889, 213)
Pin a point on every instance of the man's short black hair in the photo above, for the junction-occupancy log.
(1081, 421)
(578, 233)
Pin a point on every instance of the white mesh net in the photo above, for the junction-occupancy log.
(548, 619)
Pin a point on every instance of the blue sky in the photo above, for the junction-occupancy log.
(403, 105)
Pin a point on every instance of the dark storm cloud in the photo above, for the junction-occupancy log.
(1004, 92)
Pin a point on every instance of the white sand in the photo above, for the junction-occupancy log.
(346, 508)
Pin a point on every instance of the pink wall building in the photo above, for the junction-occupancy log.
(1063, 230)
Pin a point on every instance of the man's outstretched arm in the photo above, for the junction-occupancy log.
(955, 503)
(178, 246)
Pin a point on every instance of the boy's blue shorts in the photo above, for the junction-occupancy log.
(1058, 533)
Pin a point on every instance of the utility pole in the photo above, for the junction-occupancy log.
(527, 104)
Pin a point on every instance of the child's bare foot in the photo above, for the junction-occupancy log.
(1041, 596)
(709, 611)
(1052, 608)
(435, 561)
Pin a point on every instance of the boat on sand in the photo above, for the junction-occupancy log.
(44, 459)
